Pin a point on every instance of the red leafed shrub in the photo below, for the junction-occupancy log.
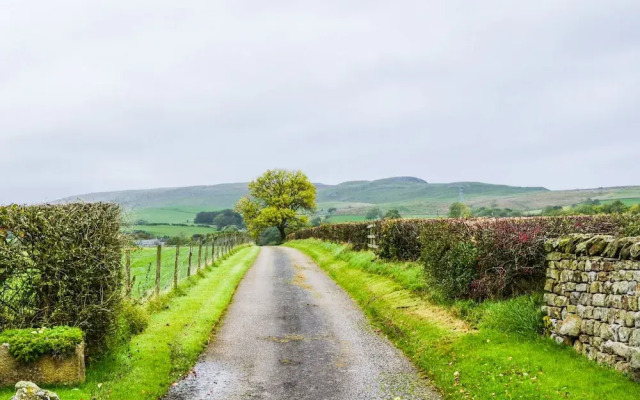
(473, 258)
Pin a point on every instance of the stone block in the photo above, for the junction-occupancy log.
(582, 287)
(588, 312)
(606, 332)
(599, 299)
(553, 312)
(623, 334)
(634, 338)
(571, 326)
(47, 370)
(585, 299)
(560, 301)
(549, 298)
(634, 358)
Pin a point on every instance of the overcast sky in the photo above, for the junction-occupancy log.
(98, 96)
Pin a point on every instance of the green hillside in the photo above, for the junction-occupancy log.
(412, 196)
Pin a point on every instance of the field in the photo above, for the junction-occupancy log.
(171, 230)
(170, 215)
(143, 268)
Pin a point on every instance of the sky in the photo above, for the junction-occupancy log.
(100, 96)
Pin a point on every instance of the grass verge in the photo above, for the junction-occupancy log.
(490, 362)
(145, 367)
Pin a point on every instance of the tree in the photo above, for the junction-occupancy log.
(373, 213)
(392, 214)
(331, 210)
(317, 221)
(458, 210)
(277, 199)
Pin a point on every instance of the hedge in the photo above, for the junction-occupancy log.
(60, 265)
(472, 258)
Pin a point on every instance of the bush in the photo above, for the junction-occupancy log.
(30, 344)
(135, 318)
(61, 265)
(509, 252)
(449, 258)
(522, 315)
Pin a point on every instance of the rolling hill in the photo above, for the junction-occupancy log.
(412, 196)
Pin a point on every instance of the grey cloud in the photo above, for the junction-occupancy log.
(142, 94)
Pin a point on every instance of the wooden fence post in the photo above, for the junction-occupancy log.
(190, 256)
(206, 253)
(372, 238)
(127, 266)
(175, 269)
(213, 250)
(199, 254)
(158, 268)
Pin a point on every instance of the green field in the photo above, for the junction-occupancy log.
(143, 268)
(171, 230)
(338, 219)
(170, 215)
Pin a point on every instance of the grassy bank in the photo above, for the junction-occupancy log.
(499, 358)
(145, 367)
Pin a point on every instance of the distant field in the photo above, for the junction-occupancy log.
(337, 219)
(170, 230)
(171, 215)
(629, 201)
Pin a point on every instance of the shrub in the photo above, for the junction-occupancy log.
(449, 257)
(522, 315)
(135, 318)
(61, 265)
(509, 251)
(30, 344)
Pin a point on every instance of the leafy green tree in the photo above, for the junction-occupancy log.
(635, 209)
(277, 199)
(392, 214)
(317, 221)
(373, 213)
(459, 210)
(615, 207)
(331, 210)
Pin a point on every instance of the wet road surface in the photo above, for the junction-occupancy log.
(292, 333)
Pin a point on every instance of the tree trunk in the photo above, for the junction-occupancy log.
(282, 234)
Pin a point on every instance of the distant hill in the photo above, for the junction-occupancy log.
(412, 196)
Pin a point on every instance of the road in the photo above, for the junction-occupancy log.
(292, 333)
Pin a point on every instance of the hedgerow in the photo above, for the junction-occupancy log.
(60, 265)
(473, 258)
(30, 344)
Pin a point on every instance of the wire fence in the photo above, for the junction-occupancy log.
(152, 270)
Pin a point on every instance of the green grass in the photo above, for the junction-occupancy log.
(143, 267)
(171, 230)
(147, 366)
(487, 363)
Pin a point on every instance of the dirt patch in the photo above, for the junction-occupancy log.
(286, 338)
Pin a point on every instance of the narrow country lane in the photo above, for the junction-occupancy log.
(292, 333)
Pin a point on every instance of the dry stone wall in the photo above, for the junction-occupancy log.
(592, 297)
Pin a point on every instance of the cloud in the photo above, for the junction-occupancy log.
(141, 94)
